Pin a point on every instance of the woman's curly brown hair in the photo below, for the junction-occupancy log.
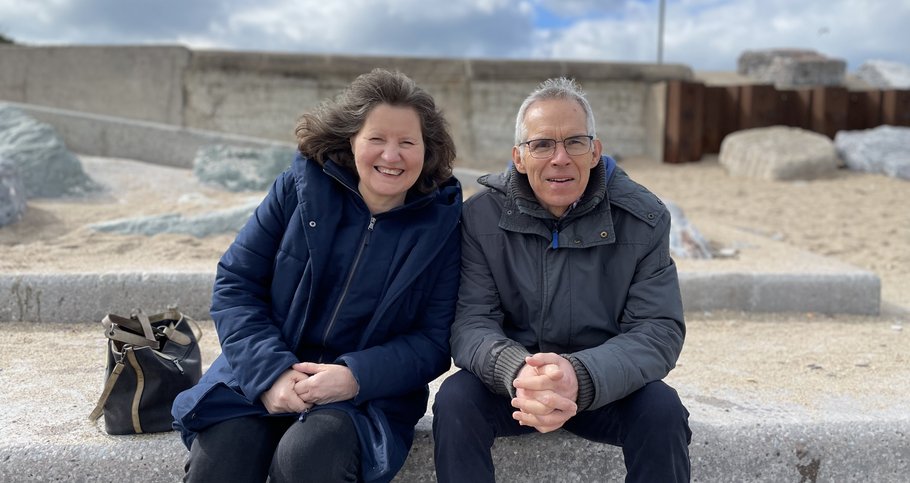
(325, 133)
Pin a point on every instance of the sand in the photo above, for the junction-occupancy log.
(814, 361)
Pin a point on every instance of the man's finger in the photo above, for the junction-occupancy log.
(535, 383)
(531, 406)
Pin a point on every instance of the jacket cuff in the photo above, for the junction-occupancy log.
(585, 383)
(506, 367)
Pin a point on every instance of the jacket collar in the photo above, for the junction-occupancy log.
(344, 176)
(588, 223)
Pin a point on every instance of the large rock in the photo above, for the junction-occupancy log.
(12, 194)
(884, 149)
(792, 67)
(778, 153)
(883, 74)
(229, 220)
(685, 240)
(241, 168)
(46, 167)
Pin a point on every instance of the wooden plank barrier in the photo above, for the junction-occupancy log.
(698, 117)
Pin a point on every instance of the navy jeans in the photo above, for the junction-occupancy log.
(651, 425)
(323, 447)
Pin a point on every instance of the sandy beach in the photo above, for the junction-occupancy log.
(858, 218)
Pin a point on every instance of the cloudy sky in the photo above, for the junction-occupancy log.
(705, 34)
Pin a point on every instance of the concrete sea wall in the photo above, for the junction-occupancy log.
(263, 94)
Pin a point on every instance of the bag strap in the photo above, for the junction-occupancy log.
(108, 388)
(178, 337)
(145, 322)
(127, 330)
(133, 324)
(114, 332)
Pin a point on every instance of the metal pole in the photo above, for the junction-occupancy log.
(660, 34)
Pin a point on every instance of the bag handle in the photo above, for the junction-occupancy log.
(108, 388)
(127, 330)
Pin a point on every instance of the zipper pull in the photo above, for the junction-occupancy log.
(555, 243)
(370, 230)
(179, 367)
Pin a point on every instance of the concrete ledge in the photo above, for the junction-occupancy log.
(790, 423)
(721, 450)
(837, 293)
(87, 297)
(116, 137)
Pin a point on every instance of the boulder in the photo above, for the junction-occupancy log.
(241, 168)
(685, 240)
(884, 149)
(12, 194)
(778, 153)
(792, 67)
(229, 220)
(883, 74)
(46, 167)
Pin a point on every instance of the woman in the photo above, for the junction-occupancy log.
(333, 305)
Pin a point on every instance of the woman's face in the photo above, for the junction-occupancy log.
(388, 152)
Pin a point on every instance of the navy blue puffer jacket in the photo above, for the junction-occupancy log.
(314, 276)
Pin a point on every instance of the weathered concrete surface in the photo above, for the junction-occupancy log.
(140, 82)
(118, 137)
(748, 423)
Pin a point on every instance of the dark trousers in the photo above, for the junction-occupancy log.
(323, 447)
(651, 425)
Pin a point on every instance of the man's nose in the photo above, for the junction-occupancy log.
(560, 156)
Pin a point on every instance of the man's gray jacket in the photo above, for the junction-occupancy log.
(597, 285)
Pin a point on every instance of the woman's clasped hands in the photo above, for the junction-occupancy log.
(307, 384)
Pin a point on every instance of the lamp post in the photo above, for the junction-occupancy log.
(660, 34)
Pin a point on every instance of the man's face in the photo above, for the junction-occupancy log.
(561, 179)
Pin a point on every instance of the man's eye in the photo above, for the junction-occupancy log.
(541, 144)
(575, 142)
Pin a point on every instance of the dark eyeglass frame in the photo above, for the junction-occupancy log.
(552, 149)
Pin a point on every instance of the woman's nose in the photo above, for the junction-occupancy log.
(391, 153)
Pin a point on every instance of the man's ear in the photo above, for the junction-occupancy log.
(516, 159)
(598, 150)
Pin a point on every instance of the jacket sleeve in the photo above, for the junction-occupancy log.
(412, 359)
(479, 343)
(652, 327)
(250, 340)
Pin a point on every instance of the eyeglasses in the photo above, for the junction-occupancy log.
(546, 148)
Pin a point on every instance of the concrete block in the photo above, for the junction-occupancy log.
(87, 297)
(140, 82)
(792, 67)
(117, 137)
(853, 293)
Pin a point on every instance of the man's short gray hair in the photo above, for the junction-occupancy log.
(556, 88)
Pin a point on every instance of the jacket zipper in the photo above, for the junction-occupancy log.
(347, 284)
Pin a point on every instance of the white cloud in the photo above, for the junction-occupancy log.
(706, 34)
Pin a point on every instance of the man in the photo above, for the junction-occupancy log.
(569, 312)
